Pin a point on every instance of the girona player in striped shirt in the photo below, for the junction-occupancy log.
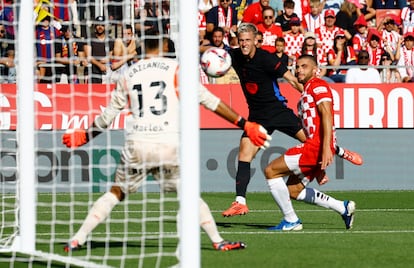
(308, 161)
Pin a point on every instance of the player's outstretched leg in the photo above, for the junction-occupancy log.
(353, 157)
(345, 208)
(98, 213)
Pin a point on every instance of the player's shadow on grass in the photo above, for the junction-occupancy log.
(241, 224)
(308, 226)
(149, 243)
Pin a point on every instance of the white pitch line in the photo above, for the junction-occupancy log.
(303, 232)
(251, 211)
(348, 232)
(324, 210)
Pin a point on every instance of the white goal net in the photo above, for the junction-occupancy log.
(75, 45)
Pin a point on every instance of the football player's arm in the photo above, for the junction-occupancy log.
(326, 114)
(257, 133)
(77, 137)
(293, 81)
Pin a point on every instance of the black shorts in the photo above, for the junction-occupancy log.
(284, 120)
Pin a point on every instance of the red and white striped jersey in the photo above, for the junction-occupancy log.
(407, 18)
(375, 55)
(311, 23)
(202, 25)
(391, 38)
(315, 91)
(406, 62)
(359, 42)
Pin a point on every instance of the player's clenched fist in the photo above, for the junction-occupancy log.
(75, 138)
(257, 134)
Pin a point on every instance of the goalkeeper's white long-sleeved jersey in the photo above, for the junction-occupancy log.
(149, 90)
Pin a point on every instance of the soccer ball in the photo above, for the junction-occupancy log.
(215, 62)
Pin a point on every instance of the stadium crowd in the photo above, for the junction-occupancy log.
(77, 44)
(334, 31)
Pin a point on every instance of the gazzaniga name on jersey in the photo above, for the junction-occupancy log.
(149, 65)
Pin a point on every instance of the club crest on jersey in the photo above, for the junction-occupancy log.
(319, 90)
(252, 88)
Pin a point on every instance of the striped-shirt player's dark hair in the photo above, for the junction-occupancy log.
(309, 57)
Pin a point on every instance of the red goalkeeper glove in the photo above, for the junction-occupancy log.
(75, 138)
(257, 134)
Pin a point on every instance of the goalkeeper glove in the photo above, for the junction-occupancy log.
(75, 138)
(257, 134)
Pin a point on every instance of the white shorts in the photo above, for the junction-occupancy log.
(303, 160)
(138, 159)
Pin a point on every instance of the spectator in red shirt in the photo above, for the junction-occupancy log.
(270, 30)
(359, 41)
(374, 47)
(340, 54)
(253, 13)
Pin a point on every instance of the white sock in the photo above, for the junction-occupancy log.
(280, 194)
(313, 196)
(241, 200)
(208, 223)
(98, 213)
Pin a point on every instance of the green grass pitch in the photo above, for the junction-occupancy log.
(383, 234)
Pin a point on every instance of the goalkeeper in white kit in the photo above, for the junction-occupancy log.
(149, 90)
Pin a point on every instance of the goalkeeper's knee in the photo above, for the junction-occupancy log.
(117, 191)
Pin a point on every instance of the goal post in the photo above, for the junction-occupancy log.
(25, 130)
(190, 136)
(47, 189)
